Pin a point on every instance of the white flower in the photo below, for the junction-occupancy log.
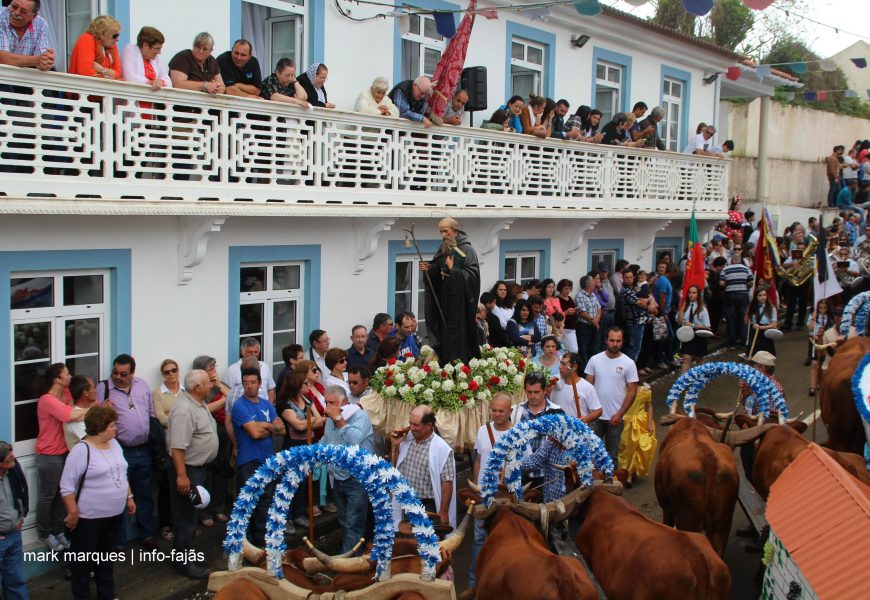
(502, 356)
(478, 379)
(483, 395)
(504, 366)
(418, 387)
(462, 376)
(512, 370)
(434, 364)
(473, 363)
(448, 368)
(410, 360)
(518, 379)
(447, 385)
(463, 386)
(429, 394)
(390, 391)
(426, 349)
(436, 385)
(399, 378)
(406, 389)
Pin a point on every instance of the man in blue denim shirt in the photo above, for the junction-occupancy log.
(347, 425)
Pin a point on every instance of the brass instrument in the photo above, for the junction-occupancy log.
(862, 255)
(803, 272)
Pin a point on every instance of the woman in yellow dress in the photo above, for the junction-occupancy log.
(637, 446)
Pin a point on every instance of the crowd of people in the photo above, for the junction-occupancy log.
(848, 175)
(24, 42)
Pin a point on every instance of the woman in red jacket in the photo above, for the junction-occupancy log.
(96, 51)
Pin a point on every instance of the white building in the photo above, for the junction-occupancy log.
(293, 221)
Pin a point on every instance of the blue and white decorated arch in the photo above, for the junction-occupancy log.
(861, 388)
(290, 468)
(580, 443)
(696, 378)
(855, 314)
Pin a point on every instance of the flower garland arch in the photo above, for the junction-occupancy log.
(861, 388)
(378, 477)
(856, 311)
(696, 378)
(580, 443)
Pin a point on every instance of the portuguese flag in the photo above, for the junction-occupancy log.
(695, 272)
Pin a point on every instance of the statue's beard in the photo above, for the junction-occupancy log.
(448, 245)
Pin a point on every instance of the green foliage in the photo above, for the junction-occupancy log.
(671, 13)
(730, 22)
(791, 49)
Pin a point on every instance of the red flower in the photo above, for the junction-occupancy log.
(472, 385)
(488, 385)
(494, 380)
(521, 364)
(392, 361)
(427, 369)
(408, 354)
(389, 373)
(443, 374)
(507, 362)
(388, 382)
(463, 398)
(466, 369)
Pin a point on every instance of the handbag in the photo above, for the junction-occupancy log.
(660, 328)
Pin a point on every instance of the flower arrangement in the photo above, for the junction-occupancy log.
(861, 388)
(580, 443)
(856, 312)
(455, 385)
(377, 476)
(694, 380)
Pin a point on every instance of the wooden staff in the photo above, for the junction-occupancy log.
(426, 273)
(310, 475)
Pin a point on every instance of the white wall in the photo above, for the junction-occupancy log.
(181, 20)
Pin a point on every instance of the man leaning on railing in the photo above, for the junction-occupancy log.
(24, 36)
(197, 69)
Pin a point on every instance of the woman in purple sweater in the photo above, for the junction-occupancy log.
(95, 491)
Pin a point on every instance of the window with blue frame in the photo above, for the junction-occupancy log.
(527, 67)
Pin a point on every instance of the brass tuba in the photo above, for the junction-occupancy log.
(799, 275)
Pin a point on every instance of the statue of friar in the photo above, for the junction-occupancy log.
(455, 276)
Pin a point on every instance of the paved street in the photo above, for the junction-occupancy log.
(150, 581)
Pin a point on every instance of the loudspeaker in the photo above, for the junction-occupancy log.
(474, 82)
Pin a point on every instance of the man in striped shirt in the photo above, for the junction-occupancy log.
(24, 36)
(738, 279)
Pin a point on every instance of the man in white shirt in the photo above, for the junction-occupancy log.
(574, 395)
(318, 341)
(250, 348)
(702, 143)
(614, 376)
(487, 436)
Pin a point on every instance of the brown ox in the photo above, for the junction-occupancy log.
(635, 557)
(515, 563)
(696, 482)
(781, 446)
(845, 430)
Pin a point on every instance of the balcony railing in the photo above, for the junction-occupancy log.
(69, 137)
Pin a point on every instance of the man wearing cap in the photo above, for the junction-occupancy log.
(412, 99)
(765, 362)
(14, 503)
(193, 443)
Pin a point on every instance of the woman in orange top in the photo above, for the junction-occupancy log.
(96, 51)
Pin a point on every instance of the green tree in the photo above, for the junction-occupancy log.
(730, 22)
(671, 13)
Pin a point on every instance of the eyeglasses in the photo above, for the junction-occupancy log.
(170, 371)
(18, 8)
(115, 36)
(342, 360)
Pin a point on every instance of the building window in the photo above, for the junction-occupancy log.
(672, 102)
(527, 68)
(66, 20)
(270, 307)
(54, 317)
(608, 89)
(275, 33)
(609, 257)
(521, 267)
(410, 291)
(421, 48)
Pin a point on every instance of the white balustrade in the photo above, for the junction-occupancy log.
(68, 137)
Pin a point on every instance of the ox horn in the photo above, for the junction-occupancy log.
(526, 487)
(252, 554)
(669, 419)
(454, 540)
(746, 436)
(313, 565)
(474, 487)
(357, 564)
(724, 416)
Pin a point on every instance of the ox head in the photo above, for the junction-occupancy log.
(473, 493)
(549, 512)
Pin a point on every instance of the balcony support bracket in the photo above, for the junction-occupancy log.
(193, 236)
(368, 237)
(657, 227)
(580, 229)
(493, 236)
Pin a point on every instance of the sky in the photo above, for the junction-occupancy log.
(824, 41)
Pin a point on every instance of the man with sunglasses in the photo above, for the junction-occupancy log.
(24, 36)
(130, 396)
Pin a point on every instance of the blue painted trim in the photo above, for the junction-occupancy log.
(121, 12)
(540, 245)
(686, 78)
(239, 255)
(395, 249)
(535, 35)
(603, 244)
(397, 36)
(619, 59)
(660, 242)
(314, 30)
(118, 262)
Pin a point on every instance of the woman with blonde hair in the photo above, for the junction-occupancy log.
(95, 53)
